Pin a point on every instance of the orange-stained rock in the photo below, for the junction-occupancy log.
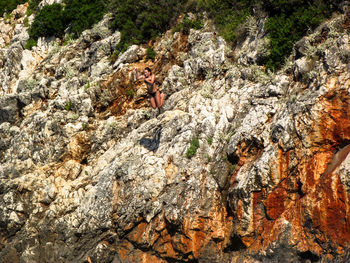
(275, 203)
(310, 209)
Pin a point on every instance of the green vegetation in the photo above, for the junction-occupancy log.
(87, 86)
(68, 40)
(232, 168)
(83, 14)
(194, 145)
(144, 20)
(227, 15)
(26, 22)
(130, 93)
(53, 19)
(187, 24)
(150, 53)
(210, 140)
(289, 21)
(31, 84)
(85, 126)
(8, 16)
(9, 5)
(140, 21)
(49, 22)
(30, 43)
(69, 105)
(33, 6)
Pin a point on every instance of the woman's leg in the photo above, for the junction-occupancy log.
(158, 99)
(153, 102)
(162, 98)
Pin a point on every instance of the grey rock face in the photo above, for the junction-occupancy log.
(8, 109)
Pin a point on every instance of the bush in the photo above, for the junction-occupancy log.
(53, 19)
(68, 106)
(85, 126)
(49, 22)
(83, 14)
(210, 140)
(33, 6)
(150, 53)
(194, 145)
(30, 44)
(187, 24)
(289, 21)
(130, 93)
(227, 15)
(9, 5)
(140, 21)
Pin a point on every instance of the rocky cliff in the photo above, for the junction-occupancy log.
(90, 173)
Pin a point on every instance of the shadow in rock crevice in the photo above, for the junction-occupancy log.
(152, 144)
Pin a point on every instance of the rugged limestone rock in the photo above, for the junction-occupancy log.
(89, 173)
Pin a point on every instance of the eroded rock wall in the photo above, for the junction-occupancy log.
(89, 173)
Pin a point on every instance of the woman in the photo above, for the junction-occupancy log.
(156, 98)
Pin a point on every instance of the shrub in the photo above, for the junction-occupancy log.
(49, 22)
(150, 53)
(232, 168)
(130, 93)
(9, 5)
(68, 40)
(194, 145)
(87, 86)
(81, 15)
(30, 44)
(26, 22)
(187, 24)
(78, 15)
(210, 140)
(227, 15)
(289, 21)
(33, 6)
(68, 106)
(85, 126)
(31, 84)
(140, 21)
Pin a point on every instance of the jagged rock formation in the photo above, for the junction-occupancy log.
(89, 173)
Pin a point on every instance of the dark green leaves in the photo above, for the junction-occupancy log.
(9, 5)
(79, 15)
(49, 22)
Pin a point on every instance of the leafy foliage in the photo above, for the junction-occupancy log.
(49, 22)
(53, 19)
(150, 53)
(140, 21)
(289, 21)
(68, 106)
(194, 145)
(130, 93)
(187, 24)
(227, 15)
(9, 5)
(33, 6)
(83, 14)
(210, 140)
(30, 43)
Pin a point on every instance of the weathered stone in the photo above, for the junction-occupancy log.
(131, 55)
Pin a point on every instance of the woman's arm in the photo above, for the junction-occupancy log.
(137, 75)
